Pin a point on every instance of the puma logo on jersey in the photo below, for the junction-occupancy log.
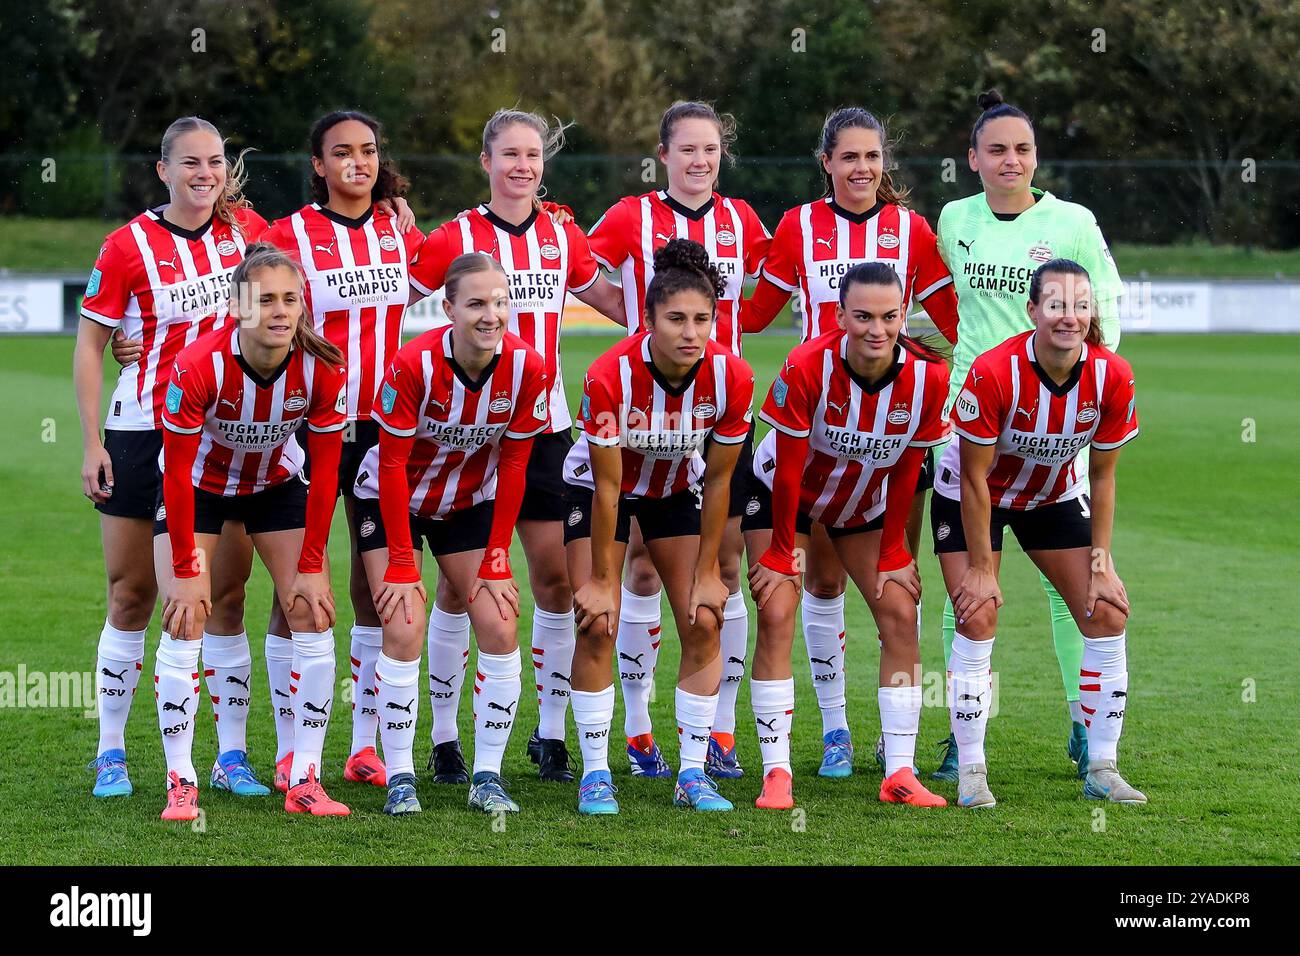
(975, 379)
(838, 406)
(171, 262)
(668, 238)
(226, 401)
(1027, 414)
(827, 242)
(328, 250)
(966, 245)
(442, 406)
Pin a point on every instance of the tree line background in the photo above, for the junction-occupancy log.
(1171, 121)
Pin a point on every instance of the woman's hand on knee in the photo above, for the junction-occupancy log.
(503, 592)
(315, 592)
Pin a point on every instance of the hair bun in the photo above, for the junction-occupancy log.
(682, 254)
(989, 99)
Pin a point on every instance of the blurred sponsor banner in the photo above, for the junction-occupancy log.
(32, 304)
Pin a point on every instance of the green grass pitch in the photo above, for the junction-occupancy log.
(1207, 541)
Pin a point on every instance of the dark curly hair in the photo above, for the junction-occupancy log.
(680, 265)
(389, 183)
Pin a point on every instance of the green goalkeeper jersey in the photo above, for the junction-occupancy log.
(992, 259)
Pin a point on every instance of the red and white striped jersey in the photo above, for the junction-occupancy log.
(816, 243)
(1039, 427)
(542, 260)
(164, 286)
(627, 402)
(856, 432)
(357, 273)
(457, 423)
(626, 238)
(248, 422)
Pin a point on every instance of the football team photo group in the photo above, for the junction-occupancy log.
(264, 375)
(715, 453)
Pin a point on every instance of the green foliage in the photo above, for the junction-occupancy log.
(1205, 81)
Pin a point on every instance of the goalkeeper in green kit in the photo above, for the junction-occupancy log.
(992, 242)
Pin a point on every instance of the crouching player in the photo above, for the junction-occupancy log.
(1027, 409)
(853, 412)
(648, 406)
(458, 410)
(235, 399)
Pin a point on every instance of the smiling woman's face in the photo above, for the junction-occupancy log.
(195, 172)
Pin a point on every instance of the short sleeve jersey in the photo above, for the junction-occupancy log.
(543, 262)
(1038, 426)
(163, 286)
(817, 243)
(626, 238)
(357, 278)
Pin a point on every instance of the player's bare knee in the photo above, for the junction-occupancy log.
(130, 603)
(981, 625)
(1107, 620)
(824, 588)
(642, 578)
(403, 641)
(447, 598)
(551, 592)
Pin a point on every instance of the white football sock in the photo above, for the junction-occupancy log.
(118, 664)
(176, 688)
(735, 644)
(593, 712)
(448, 658)
(398, 699)
(227, 668)
(496, 698)
(313, 699)
(553, 643)
(695, 714)
(364, 653)
(1076, 712)
(1103, 693)
(279, 664)
(900, 720)
(638, 653)
(970, 689)
(823, 634)
(773, 702)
